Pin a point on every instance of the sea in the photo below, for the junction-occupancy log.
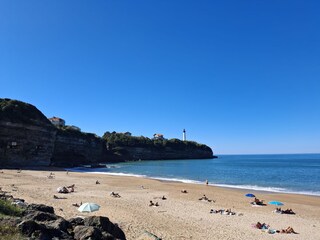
(281, 173)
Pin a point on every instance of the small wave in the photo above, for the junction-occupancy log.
(190, 181)
(268, 189)
(252, 187)
(176, 180)
(120, 174)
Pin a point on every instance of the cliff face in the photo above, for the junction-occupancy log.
(73, 148)
(139, 153)
(27, 138)
(26, 135)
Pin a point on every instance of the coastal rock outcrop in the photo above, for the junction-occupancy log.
(26, 136)
(39, 221)
(73, 148)
(138, 153)
(29, 139)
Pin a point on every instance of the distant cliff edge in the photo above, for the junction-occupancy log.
(28, 138)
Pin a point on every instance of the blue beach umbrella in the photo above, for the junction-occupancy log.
(250, 195)
(276, 203)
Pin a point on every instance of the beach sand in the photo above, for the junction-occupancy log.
(181, 216)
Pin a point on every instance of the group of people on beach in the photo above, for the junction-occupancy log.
(68, 189)
(224, 212)
(256, 201)
(264, 226)
(287, 211)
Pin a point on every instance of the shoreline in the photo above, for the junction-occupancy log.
(181, 216)
(189, 181)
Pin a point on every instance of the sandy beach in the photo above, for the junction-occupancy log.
(180, 216)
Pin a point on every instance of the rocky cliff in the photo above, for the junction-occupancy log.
(26, 136)
(73, 148)
(140, 153)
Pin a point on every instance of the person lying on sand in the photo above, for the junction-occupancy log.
(62, 190)
(222, 211)
(288, 211)
(258, 202)
(229, 212)
(204, 197)
(277, 210)
(151, 204)
(184, 191)
(261, 225)
(75, 205)
(113, 194)
(288, 230)
(97, 182)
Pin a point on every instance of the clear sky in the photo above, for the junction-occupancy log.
(239, 76)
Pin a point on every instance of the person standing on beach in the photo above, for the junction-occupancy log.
(207, 182)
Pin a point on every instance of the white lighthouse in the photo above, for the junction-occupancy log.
(184, 137)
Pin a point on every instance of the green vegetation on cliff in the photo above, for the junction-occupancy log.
(20, 112)
(71, 132)
(115, 139)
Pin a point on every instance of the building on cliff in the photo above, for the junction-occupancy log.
(158, 136)
(59, 122)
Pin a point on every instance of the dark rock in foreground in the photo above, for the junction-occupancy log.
(38, 221)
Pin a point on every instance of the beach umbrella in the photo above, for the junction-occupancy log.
(250, 195)
(88, 207)
(276, 203)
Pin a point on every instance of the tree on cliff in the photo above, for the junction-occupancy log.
(115, 139)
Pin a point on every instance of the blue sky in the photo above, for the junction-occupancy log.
(239, 76)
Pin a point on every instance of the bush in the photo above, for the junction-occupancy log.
(10, 233)
(6, 208)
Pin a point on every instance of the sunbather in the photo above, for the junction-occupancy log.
(113, 194)
(204, 197)
(262, 225)
(288, 230)
(288, 211)
(71, 187)
(257, 202)
(184, 191)
(216, 211)
(229, 212)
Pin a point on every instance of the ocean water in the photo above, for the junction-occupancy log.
(287, 173)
